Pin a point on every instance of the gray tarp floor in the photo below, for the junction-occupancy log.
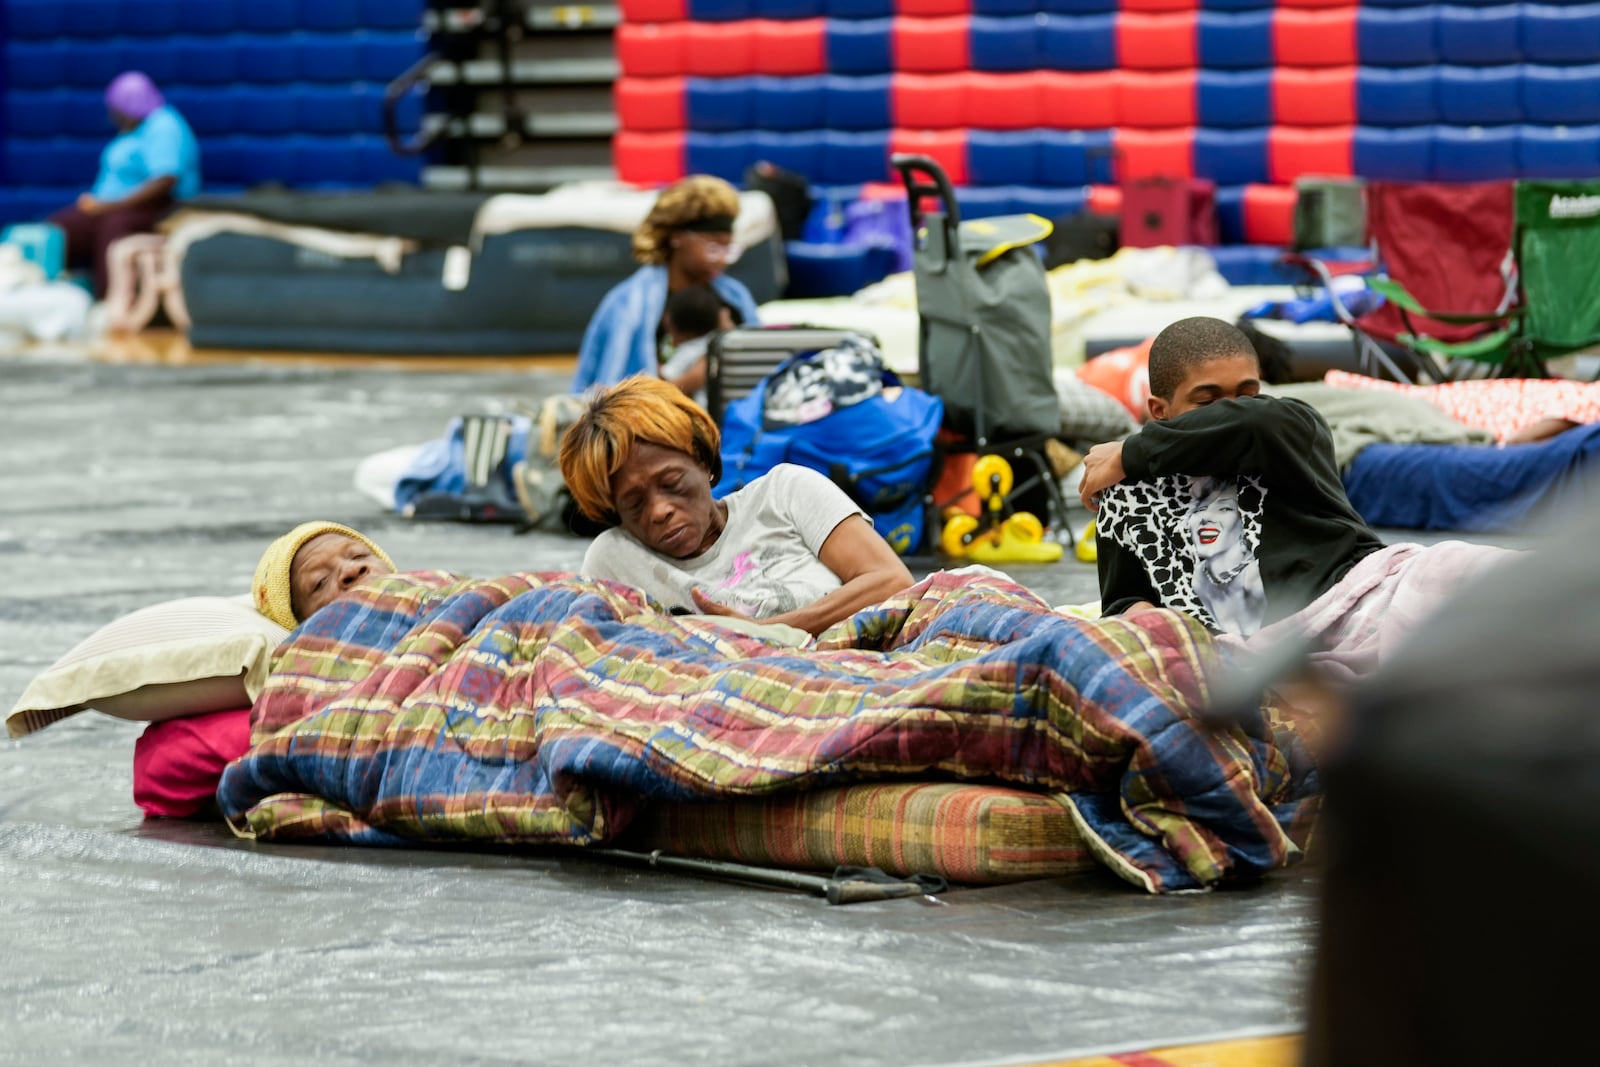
(171, 942)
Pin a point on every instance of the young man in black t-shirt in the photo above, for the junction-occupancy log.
(1227, 505)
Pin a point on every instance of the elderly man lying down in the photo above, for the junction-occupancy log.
(548, 709)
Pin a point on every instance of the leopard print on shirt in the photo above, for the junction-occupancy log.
(1152, 521)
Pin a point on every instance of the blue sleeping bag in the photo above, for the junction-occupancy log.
(1471, 487)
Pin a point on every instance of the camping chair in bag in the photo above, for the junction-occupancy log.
(984, 349)
(1440, 247)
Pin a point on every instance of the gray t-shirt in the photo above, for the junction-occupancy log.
(763, 564)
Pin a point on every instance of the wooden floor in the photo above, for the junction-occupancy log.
(1278, 1051)
(172, 348)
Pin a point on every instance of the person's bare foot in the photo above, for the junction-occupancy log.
(1542, 430)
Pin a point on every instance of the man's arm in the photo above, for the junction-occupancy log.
(1252, 435)
(1224, 439)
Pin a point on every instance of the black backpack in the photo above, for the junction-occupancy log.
(1086, 235)
(790, 193)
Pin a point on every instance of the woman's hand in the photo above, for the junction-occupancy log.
(708, 606)
(868, 571)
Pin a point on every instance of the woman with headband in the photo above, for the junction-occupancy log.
(685, 241)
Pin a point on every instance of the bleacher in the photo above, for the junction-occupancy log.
(278, 91)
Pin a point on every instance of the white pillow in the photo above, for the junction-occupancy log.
(183, 657)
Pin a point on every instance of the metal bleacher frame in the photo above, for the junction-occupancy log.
(519, 95)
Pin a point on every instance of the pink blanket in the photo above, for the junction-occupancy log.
(1384, 599)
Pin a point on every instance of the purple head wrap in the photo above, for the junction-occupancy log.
(133, 95)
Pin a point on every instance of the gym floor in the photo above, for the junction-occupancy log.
(153, 473)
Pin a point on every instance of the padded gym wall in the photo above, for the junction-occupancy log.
(1026, 101)
(278, 91)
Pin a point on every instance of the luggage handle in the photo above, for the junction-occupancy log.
(924, 177)
(1092, 154)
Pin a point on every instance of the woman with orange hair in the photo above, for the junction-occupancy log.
(686, 240)
(790, 547)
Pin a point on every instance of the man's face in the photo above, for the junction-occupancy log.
(1223, 378)
(324, 570)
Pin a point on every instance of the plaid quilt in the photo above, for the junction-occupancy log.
(545, 709)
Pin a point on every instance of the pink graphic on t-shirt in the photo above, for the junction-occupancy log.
(743, 565)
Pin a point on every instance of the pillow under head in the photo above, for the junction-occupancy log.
(182, 657)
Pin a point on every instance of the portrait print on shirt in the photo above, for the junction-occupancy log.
(1197, 539)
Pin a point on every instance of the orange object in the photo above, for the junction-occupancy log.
(954, 487)
(1124, 375)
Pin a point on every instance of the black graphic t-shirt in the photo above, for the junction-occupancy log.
(1233, 513)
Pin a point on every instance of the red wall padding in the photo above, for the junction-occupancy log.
(932, 45)
(647, 50)
(948, 148)
(1105, 199)
(1005, 101)
(928, 101)
(1154, 154)
(932, 7)
(1314, 97)
(719, 49)
(650, 104)
(1293, 152)
(636, 11)
(1314, 38)
(1154, 100)
(1085, 100)
(1269, 214)
(1156, 42)
(797, 47)
(648, 158)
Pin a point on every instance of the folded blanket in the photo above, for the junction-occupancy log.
(1362, 417)
(1500, 405)
(544, 709)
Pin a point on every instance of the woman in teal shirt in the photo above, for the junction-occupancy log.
(153, 161)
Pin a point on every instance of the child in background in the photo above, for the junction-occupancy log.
(691, 316)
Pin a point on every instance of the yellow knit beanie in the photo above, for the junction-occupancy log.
(271, 590)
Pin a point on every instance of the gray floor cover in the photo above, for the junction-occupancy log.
(127, 941)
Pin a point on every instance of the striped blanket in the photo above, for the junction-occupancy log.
(544, 708)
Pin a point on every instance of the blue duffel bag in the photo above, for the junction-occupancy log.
(842, 413)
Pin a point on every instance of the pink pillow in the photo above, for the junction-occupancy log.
(177, 763)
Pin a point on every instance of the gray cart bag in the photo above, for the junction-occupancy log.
(984, 345)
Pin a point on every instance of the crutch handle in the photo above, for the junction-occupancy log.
(863, 892)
